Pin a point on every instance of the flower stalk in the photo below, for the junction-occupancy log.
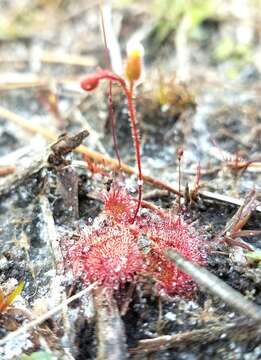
(133, 73)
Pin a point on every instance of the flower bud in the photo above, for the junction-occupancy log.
(135, 52)
(90, 82)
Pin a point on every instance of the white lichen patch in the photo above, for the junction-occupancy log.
(12, 349)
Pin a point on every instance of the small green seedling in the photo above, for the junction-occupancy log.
(254, 257)
(39, 355)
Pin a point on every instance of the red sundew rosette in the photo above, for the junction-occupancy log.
(119, 205)
(177, 234)
(108, 255)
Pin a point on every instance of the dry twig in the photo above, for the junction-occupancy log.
(110, 329)
(216, 286)
(233, 229)
(7, 170)
(242, 215)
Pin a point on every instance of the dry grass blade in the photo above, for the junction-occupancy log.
(7, 170)
(26, 125)
(32, 324)
(216, 286)
(242, 215)
(67, 59)
(50, 233)
(14, 81)
(225, 199)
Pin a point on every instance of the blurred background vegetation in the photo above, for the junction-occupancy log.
(217, 31)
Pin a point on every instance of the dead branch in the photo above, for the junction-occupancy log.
(109, 327)
(55, 57)
(232, 231)
(216, 286)
(155, 194)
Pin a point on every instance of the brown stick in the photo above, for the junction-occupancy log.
(6, 170)
(216, 286)
(109, 327)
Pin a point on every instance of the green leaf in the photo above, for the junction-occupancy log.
(39, 355)
(254, 256)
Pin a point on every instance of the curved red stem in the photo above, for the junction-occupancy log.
(135, 135)
(89, 83)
